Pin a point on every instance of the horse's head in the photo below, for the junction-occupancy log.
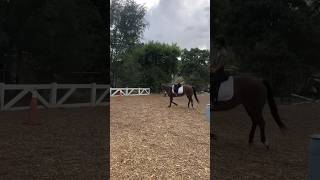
(163, 87)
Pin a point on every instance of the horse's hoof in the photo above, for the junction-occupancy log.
(267, 145)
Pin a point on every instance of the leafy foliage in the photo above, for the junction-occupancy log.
(150, 65)
(195, 67)
(127, 24)
(276, 39)
(47, 40)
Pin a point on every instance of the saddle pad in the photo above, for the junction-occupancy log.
(180, 90)
(226, 90)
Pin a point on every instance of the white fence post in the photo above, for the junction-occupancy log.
(53, 94)
(93, 94)
(54, 100)
(33, 93)
(130, 91)
(2, 90)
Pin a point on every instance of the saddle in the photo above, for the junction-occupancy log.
(180, 90)
(226, 91)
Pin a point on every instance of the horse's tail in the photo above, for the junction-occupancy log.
(195, 94)
(273, 106)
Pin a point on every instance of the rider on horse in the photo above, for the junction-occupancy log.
(176, 88)
(217, 70)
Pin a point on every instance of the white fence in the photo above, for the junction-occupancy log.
(129, 91)
(54, 101)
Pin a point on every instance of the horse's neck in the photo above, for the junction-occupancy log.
(169, 90)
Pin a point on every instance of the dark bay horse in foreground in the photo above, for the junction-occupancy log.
(187, 90)
(252, 93)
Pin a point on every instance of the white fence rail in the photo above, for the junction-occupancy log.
(129, 91)
(54, 101)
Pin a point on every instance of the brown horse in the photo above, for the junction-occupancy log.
(187, 90)
(252, 93)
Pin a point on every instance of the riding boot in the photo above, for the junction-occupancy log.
(215, 93)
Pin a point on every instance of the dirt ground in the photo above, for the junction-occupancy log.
(288, 156)
(69, 144)
(151, 141)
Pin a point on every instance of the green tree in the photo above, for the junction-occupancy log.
(131, 70)
(194, 67)
(275, 39)
(127, 24)
(150, 65)
(50, 39)
(159, 62)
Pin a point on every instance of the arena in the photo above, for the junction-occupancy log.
(151, 141)
(68, 144)
(287, 157)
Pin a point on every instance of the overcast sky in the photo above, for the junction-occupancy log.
(185, 22)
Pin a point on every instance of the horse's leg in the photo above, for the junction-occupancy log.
(191, 101)
(174, 102)
(252, 132)
(257, 119)
(262, 125)
(254, 123)
(188, 102)
(170, 101)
